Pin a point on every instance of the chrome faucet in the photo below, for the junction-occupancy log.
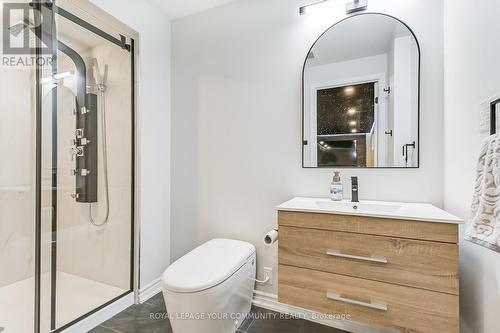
(354, 189)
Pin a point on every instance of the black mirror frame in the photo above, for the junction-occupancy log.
(418, 99)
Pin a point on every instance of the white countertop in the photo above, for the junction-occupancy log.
(382, 209)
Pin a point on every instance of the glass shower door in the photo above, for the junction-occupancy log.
(17, 175)
(67, 165)
(87, 159)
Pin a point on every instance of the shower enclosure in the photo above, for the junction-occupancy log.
(67, 167)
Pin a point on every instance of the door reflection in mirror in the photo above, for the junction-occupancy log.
(346, 124)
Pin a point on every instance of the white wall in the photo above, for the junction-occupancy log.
(154, 118)
(472, 50)
(236, 113)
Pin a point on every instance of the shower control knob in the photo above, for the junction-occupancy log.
(84, 172)
(84, 141)
(79, 133)
(76, 151)
(79, 151)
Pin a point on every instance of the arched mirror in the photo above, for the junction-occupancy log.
(361, 85)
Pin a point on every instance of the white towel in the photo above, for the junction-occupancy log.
(484, 223)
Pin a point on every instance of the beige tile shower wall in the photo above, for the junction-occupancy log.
(16, 192)
(16, 240)
(99, 253)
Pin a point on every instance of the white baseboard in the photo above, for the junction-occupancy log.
(150, 290)
(102, 315)
(270, 302)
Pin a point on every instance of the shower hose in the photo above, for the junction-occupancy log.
(104, 161)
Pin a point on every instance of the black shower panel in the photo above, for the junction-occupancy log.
(84, 148)
(86, 151)
(85, 138)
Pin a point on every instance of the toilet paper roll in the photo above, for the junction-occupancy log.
(271, 237)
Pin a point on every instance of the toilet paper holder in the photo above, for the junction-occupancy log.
(271, 237)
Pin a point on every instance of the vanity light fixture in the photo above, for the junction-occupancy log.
(303, 9)
(351, 7)
(356, 6)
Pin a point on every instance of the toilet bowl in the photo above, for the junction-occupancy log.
(210, 289)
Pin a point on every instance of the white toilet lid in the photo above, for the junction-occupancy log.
(207, 265)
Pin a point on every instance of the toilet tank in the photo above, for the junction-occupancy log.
(210, 289)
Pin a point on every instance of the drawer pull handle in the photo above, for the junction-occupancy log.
(376, 306)
(380, 260)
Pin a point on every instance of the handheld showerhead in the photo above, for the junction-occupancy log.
(96, 73)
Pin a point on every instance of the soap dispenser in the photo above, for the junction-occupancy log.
(336, 188)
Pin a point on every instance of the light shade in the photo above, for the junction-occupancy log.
(303, 9)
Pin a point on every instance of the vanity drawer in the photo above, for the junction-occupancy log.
(439, 232)
(398, 308)
(422, 264)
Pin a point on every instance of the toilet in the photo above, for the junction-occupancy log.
(210, 289)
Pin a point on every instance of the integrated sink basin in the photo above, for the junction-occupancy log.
(392, 210)
(357, 207)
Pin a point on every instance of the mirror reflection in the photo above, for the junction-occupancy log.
(361, 95)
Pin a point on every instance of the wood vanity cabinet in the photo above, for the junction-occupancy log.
(399, 275)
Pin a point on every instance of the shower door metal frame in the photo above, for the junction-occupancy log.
(38, 168)
(38, 7)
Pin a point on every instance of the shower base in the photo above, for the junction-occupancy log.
(76, 296)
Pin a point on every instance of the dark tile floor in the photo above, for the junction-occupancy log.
(138, 319)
